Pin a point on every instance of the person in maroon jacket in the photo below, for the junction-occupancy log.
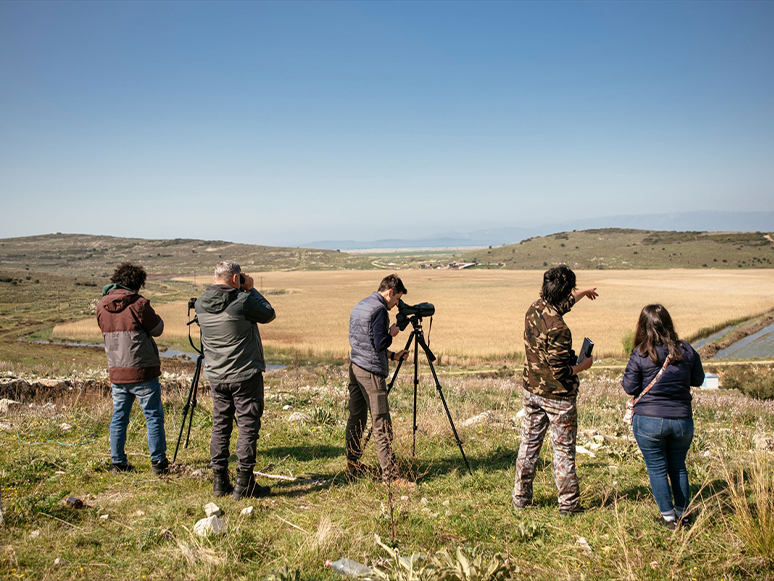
(128, 324)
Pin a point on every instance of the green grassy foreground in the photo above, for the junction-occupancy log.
(321, 515)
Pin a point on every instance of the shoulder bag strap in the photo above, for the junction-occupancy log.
(652, 383)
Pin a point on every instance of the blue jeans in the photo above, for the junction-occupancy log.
(148, 394)
(664, 444)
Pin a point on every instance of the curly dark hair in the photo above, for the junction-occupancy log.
(558, 283)
(129, 275)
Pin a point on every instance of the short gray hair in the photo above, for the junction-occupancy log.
(226, 269)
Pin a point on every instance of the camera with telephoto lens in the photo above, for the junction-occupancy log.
(408, 312)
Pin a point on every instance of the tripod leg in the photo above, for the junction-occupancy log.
(448, 414)
(400, 363)
(392, 382)
(193, 407)
(187, 405)
(416, 385)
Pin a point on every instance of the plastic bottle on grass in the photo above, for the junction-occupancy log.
(349, 567)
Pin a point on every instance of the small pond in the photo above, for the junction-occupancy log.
(757, 345)
(169, 353)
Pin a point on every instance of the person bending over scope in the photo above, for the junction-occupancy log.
(660, 373)
(370, 336)
(550, 390)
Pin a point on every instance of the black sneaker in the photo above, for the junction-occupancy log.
(123, 467)
(684, 522)
(573, 510)
(669, 524)
(160, 468)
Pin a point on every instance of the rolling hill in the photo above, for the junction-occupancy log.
(614, 248)
(87, 255)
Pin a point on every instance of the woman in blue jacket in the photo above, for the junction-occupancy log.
(663, 419)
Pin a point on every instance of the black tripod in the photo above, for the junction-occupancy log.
(418, 337)
(191, 401)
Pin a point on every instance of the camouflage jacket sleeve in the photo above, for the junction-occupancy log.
(559, 353)
(564, 307)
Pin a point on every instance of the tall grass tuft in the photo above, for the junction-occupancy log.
(751, 496)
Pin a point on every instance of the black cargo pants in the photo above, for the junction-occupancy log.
(243, 401)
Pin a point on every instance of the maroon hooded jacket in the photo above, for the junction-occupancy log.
(128, 324)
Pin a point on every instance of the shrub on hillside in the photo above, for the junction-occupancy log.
(757, 383)
(627, 342)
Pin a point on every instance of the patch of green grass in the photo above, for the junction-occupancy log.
(323, 515)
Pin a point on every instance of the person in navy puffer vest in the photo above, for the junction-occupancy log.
(370, 336)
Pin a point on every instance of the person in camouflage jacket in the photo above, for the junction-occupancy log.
(550, 390)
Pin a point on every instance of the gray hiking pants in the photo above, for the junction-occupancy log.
(368, 391)
(243, 401)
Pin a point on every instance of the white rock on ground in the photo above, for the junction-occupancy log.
(521, 414)
(104, 516)
(582, 450)
(247, 511)
(299, 417)
(35, 534)
(65, 426)
(763, 442)
(60, 562)
(211, 508)
(584, 544)
(486, 417)
(139, 513)
(210, 526)
(7, 404)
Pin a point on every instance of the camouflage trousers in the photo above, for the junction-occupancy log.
(562, 417)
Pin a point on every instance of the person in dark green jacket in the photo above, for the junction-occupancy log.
(228, 313)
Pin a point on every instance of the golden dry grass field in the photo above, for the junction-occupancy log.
(479, 313)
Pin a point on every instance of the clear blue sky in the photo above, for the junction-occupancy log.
(286, 122)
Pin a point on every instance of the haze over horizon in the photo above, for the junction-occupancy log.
(284, 123)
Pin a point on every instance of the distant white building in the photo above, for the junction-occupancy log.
(711, 381)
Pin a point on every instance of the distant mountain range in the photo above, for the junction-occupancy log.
(705, 221)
